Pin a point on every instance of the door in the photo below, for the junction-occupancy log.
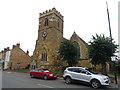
(40, 73)
(85, 75)
(35, 72)
(76, 74)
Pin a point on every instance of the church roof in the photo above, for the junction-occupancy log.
(75, 35)
(64, 39)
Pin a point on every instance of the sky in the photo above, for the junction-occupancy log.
(19, 20)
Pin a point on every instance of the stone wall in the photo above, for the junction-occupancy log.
(50, 36)
(19, 59)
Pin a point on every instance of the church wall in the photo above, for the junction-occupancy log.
(83, 46)
(85, 63)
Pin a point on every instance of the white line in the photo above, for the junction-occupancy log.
(9, 72)
(45, 86)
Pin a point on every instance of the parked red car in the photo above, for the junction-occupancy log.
(43, 73)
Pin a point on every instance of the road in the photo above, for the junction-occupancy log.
(23, 80)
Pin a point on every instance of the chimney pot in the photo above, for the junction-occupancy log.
(2, 51)
(8, 48)
(13, 46)
(18, 45)
(5, 49)
(27, 52)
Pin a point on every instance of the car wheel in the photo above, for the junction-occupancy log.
(45, 77)
(32, 75)
(68, 80)
(95, 84)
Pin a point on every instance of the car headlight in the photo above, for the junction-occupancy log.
(50, 74)
(105, 78)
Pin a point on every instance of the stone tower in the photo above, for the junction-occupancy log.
(50, 36)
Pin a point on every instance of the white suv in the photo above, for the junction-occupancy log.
(86, 75)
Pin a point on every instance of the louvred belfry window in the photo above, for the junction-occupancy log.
(46, 22)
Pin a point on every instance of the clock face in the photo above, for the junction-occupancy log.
(44, 34)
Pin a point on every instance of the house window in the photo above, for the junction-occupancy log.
(46, 22)
(44, 57)
(18, 65)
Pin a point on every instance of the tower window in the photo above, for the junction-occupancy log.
(46, 22)
(58, 23)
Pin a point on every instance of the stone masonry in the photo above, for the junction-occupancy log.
(50, 36)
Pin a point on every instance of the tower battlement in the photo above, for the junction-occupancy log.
(51, 11)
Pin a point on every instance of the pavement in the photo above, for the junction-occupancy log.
(113, 83)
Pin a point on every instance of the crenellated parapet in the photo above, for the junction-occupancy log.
(51, 11)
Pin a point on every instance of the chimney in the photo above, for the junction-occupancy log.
(13, 46)
(2, 51)
(8, 48)
(18, 44)
(5, 49)
(27, 52)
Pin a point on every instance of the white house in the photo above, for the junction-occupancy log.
(7, 59)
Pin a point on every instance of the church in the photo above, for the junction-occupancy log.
(50, 37)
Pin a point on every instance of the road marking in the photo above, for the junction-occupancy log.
(49, 81)
(45, 86)
(9, 72)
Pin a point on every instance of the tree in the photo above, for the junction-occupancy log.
(68, 51)
(100, 51)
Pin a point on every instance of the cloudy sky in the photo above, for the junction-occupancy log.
(19, 20)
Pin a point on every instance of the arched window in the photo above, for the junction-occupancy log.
(46, 22)
(44, 56)
(78, 49)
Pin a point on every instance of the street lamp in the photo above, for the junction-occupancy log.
(113, 57)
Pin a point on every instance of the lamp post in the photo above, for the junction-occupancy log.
(113, 57)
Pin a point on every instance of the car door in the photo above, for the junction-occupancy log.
(40, 73)
(35, 72)
(76, 74)
(71, 72)
(85, 75)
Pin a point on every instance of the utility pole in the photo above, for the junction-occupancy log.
(109, 22)
(111, 39)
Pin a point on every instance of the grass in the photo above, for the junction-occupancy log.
(23, 70)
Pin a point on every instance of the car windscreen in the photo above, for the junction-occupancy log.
(91, 71)
(46, 70)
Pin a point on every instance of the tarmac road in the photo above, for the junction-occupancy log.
(23, 80)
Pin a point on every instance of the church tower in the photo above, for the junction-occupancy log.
(50, 36)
